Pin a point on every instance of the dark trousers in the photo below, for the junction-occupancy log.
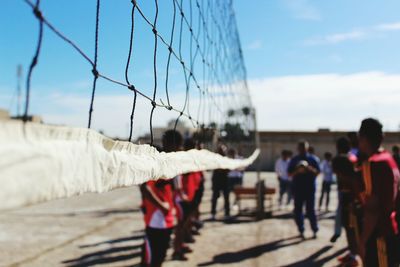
(382, 250)
(325, 191)
(198, 196)
(305, 197)
(217, 188)
(285, 187)
(350, 222)
(155, 246)
(234, 182)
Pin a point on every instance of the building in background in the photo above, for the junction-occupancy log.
(5, 115)
(273, 142)
(323, 140)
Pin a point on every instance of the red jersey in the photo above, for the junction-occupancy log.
(187, 184)
(154, 217)
(190, 184)
(381, 177)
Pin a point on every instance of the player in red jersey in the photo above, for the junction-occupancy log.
(193, 182)
(378, 241)
(158, 207)
(186, 186)
(198, 196)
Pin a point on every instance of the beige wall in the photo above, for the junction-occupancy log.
(272, 143)
(4, 115)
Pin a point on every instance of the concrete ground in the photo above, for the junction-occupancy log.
(106, 230)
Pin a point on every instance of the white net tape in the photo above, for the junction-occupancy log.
(41, 162)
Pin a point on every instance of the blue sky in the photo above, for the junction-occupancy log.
(311, 63)
(287, 37)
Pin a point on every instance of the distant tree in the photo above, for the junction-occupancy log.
(205, 134)
(234, 132)
(212, 125)
(246, 111)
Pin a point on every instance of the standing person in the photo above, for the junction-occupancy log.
(396, 155)
(311, 151)
(197, 223)
(157, 206)
(281, 170)
(353, 137)
(304, 169)
(194, 223)
(235, 176)
(378, 242)
(184, 190)
(327, 176)
(185, 187)
(343, 166)
(220, 183)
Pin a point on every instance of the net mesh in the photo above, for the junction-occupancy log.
(197, 74)
(198, 40)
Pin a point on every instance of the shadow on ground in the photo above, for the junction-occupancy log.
(105, 213)
(253, 252)
(326, 216)
(321, 216)
(312, 261)
(117, 240)
(120, 252)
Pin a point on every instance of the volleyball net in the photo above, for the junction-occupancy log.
(197, 76)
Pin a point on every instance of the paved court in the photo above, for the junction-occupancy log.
(106, 230)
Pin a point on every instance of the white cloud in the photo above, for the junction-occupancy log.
(337, 38)
(326, 100)
(356, 34)
(302, 9)
(297, 102)
(111, 113)
(389, 27)
(255, 45)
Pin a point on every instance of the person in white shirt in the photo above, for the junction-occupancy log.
(281, 169)
(327, 174)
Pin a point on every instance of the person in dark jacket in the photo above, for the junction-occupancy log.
(303, 168)
(220, 183)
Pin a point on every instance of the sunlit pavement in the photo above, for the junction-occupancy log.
(106, 230)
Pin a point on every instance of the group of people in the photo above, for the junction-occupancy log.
(171, 206)
(368, 210)
(368, 200)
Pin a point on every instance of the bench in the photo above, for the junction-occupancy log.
(242, 193)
